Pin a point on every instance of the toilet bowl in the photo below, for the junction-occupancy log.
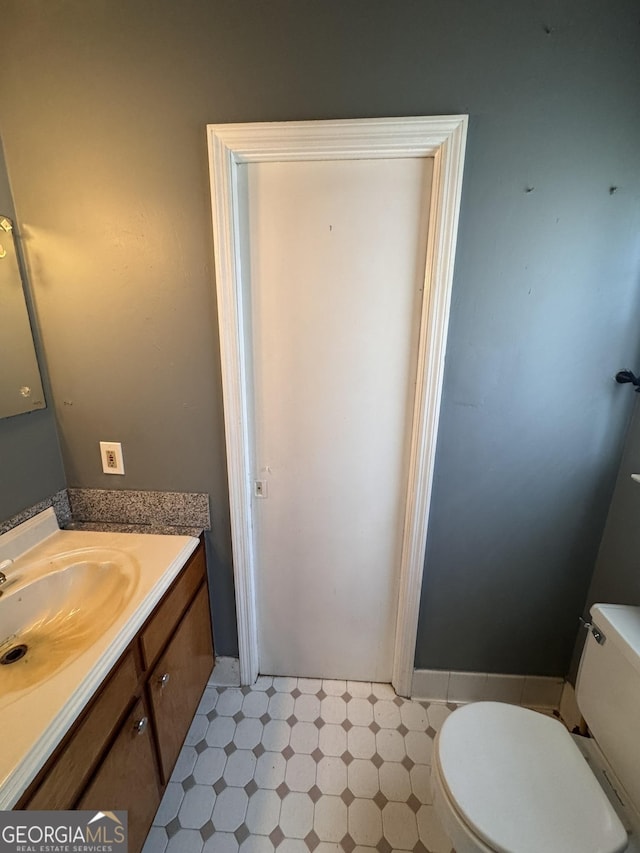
(513, 780)
(507, 779)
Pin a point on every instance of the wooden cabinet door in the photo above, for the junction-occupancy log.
(180, 676)
(168, 613)
(127, 778)
(80, 754)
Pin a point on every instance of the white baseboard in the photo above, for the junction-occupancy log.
(226, 673)
(533, 691)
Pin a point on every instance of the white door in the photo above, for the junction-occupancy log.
(336, 256)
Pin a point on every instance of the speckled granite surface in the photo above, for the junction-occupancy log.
(126, 511)
(129, 507)
(59, 502)
(165, 529)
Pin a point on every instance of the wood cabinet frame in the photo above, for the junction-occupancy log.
(91, 760)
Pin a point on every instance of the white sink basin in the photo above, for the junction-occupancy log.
(53, 610)
(76, 599)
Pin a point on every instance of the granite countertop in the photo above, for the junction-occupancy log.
(119, 527)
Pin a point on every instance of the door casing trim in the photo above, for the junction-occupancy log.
(230, 145)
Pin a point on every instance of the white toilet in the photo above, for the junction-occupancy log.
(510, 780)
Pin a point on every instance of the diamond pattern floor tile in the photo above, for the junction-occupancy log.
(333, 709)
(390, 745)
(304, 765)
(197, 729)
(307, 707)
(170, 804)
(359, 689)
(296, 815)
(400, 826)
(361, 742)
(387, 714)
(263, 813)
(310, 685)
(365, 823)
(330, 819)
(304, 737)
(185, 841)
(332, 739)
(363, 779)
(196, 807)
(230, 809)
(300, 774)
(221, 842)
(156, 840)
(276, 735)
(395, 782)
(230, 702)
(185, 764)
(331, 775)
(281, 706)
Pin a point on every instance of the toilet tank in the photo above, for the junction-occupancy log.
(608, 691)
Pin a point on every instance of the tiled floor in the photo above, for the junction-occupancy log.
(297, 765)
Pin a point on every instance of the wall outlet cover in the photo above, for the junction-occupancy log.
(112, 459)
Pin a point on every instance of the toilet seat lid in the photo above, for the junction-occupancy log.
(521, 784)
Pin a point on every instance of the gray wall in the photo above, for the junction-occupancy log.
(30, 460)
(103, 111)
(617, 573)
(616, 578)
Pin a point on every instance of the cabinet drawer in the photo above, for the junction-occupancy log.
(127, 778)
(77, 758)
(177, 682)
(163, 622)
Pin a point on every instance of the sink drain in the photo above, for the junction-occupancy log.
(15, 653)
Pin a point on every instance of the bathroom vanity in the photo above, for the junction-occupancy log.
(119, 750)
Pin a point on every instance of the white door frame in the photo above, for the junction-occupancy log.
(440, 137)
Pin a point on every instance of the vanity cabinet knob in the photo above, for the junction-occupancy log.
(164, 679)
(140, 726)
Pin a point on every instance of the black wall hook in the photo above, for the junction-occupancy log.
(624, 376)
